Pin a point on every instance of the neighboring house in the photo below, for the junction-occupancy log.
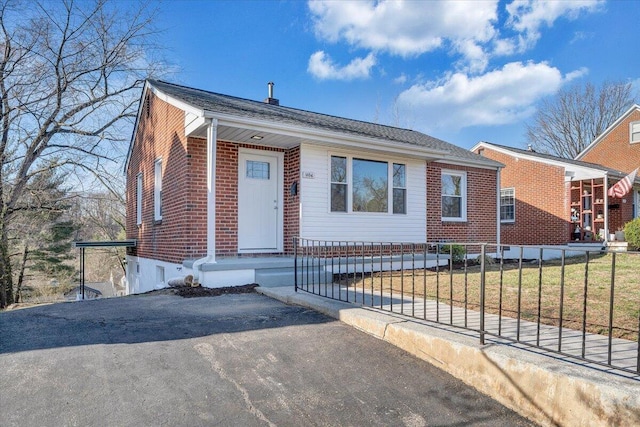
(549, 200)
(213, 178)
(619, 148)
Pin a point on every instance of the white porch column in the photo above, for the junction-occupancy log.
(605, 190)
(212, 135)
(498, 203)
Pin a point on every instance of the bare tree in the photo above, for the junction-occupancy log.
(70, 79)
(567, 123)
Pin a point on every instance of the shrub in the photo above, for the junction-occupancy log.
(456, 251)
(632, 233)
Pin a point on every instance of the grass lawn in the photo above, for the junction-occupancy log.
(540, 289)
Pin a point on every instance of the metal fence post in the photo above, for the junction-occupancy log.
(483, 249)
(295, 263)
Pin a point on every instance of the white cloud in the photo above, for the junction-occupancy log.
(323, 67)
(528, 16)
(408, 28)
(401, 79)
(466, 28)
(499, 97)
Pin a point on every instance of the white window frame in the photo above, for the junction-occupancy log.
(349, 184)
(157, 189)
(513, 196)
(634, 129)
(139, 199)
(463, 196)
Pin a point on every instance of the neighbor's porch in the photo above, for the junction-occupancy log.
(594, 216)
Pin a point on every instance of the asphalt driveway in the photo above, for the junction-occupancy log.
(232, 360)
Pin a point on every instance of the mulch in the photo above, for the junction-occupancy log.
(199, 291)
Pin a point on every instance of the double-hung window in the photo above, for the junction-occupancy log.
(634, 132)
(399, 188)
(365, 185)
(139, 199)
(338, 184)
(157, 190)
(454, 196)
(507, 205)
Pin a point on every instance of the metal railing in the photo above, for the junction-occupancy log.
(580, 302)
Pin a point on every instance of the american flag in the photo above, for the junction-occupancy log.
(623, 186)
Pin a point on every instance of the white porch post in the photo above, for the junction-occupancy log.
(498, 202)
(606, 206)
(212, 134)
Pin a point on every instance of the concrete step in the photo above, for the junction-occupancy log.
(270, 277)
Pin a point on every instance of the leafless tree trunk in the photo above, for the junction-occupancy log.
(567, 123)
(70, 79)
(23, 265)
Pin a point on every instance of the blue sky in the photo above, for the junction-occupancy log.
(462, 71)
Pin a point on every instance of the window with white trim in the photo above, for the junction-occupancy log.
(634, 132)
(139, 199)
(399, 188)
(507, 205)
(454, 195)
(365, 185)
(157, 190)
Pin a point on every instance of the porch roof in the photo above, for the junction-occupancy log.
(230, 106)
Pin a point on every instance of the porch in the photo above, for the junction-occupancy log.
(594, 216)
(270, 271)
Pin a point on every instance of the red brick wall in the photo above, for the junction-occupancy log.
(160, 135)
(614, 150)
(542, 205)
(291, 201)
(481, 223)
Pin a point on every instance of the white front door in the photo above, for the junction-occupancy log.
(259, 202)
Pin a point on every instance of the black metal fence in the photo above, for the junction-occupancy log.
(579, 302)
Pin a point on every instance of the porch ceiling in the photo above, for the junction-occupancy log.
(250, 136)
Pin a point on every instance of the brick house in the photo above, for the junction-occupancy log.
(549, 200)
(217, 185)
(618, 147)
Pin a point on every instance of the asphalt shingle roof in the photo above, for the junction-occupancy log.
(216, 102)
(546, 156)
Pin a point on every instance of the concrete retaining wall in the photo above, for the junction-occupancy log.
(546, 390)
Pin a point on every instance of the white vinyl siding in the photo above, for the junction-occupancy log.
(318, 222)
(157, 190)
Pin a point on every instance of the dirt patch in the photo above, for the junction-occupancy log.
(194, 292)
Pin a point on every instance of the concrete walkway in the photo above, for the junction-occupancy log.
(542, 387)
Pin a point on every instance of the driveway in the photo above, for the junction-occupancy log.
(232, 360)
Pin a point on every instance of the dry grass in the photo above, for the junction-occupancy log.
(540, 291)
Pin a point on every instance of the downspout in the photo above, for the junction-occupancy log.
(212, 134)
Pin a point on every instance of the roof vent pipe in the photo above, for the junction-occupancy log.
(271, 100)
